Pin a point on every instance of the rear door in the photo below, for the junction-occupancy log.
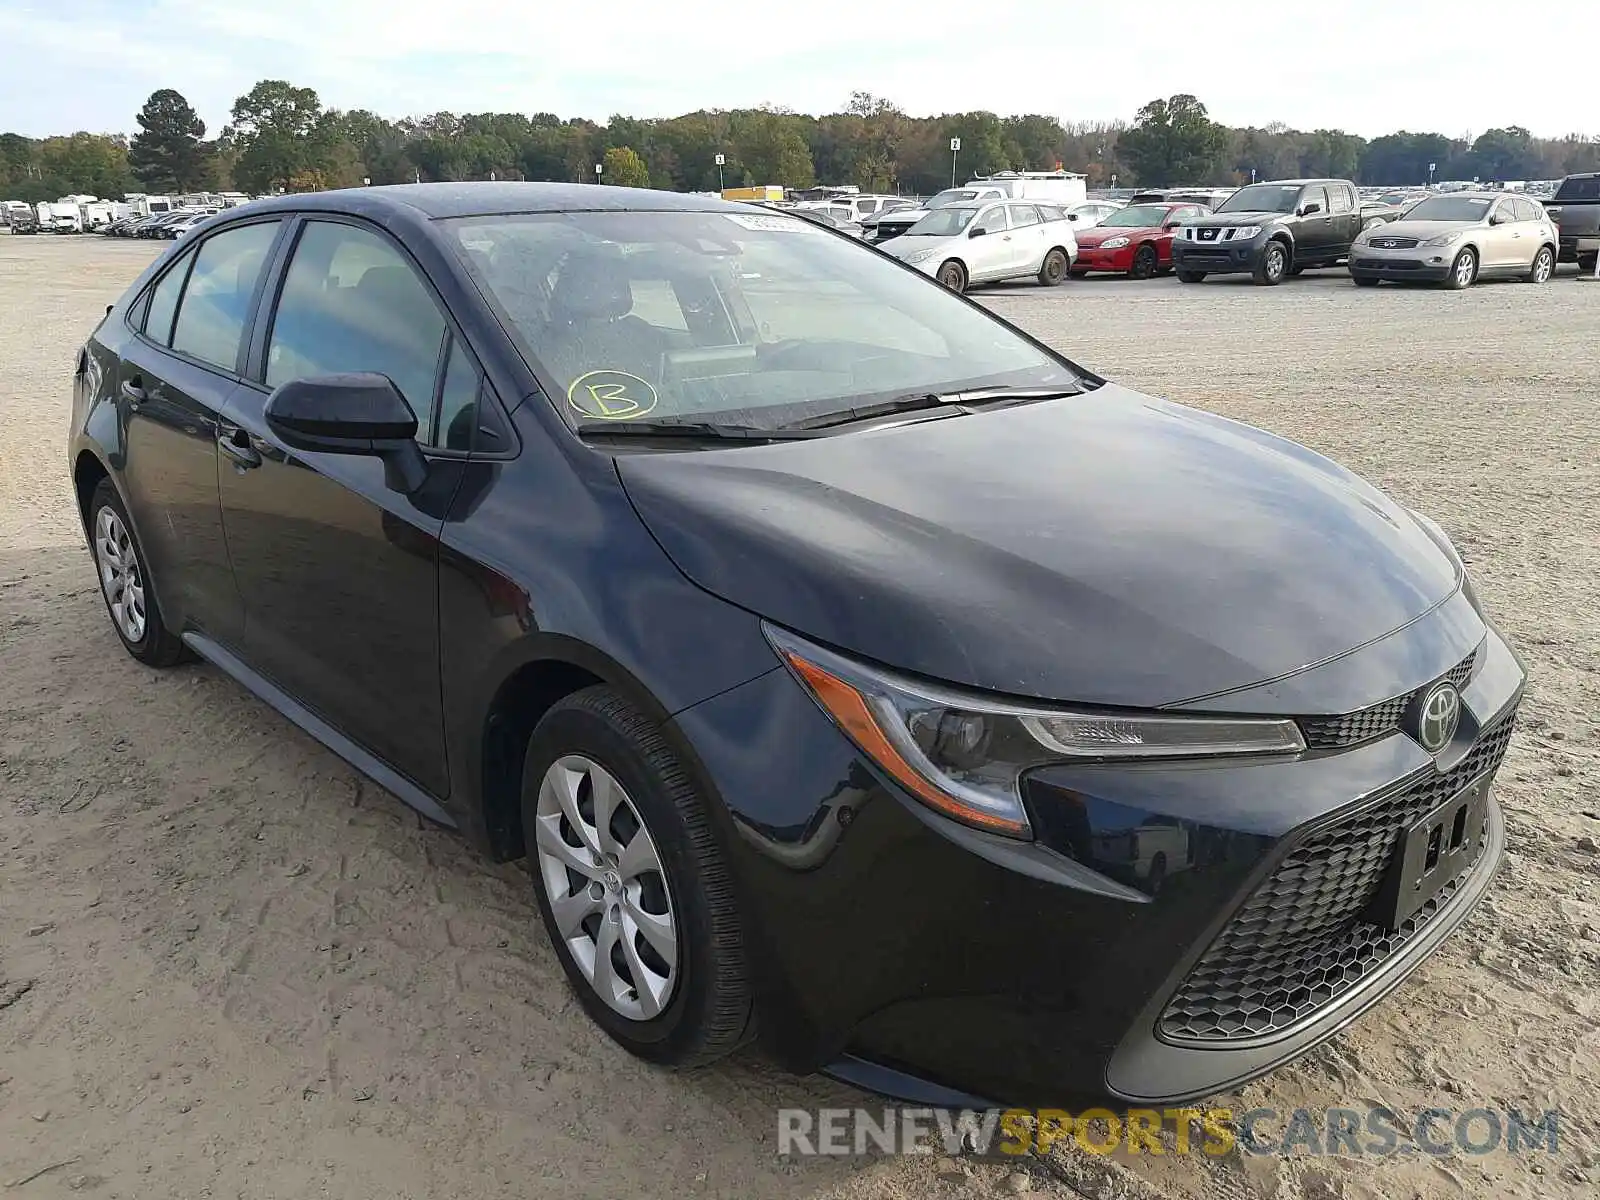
(339, 571)
(175, 377)
(1345, 216)
(1027, 245)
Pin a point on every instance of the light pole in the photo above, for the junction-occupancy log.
(721, 159)
(955, 149)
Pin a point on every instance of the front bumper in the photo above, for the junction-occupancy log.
(1218, 258)
(1422, 264)
(1093, 258)
(899, 949)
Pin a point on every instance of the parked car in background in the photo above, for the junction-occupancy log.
(651, 537)
(965, 244)
(1575, 208)
(833, 217)
(24, 220)
(1458, 239)
(173, 230)
(1135, 241)
(1090, 213)
(894, 222)
(156, 226)
(1271, 230)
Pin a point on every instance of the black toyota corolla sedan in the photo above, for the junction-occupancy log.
(845, 662)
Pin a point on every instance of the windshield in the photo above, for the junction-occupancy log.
(951, 196)
(1140, 216)
(1262, 197)
(943, 222)
(1451, 208)
(739, 318)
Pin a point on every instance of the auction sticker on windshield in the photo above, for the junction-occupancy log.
(771, 224)
(611, 395)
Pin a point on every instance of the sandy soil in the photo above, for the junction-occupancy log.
(231, 967)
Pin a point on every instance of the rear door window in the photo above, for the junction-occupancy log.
(1579, 188)
(1023, 215)
(216, 299)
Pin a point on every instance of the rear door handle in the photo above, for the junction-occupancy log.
(235, 443)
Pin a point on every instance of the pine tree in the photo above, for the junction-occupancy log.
(166, 154)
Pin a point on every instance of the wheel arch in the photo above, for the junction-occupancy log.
(87, 472)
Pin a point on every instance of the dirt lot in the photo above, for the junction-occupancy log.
(229, 967)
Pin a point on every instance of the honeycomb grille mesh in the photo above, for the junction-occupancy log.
(1331, 733)
(1299, 941)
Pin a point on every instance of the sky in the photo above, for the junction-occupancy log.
(1459, 66)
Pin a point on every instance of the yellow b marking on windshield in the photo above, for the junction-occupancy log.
(611, 395)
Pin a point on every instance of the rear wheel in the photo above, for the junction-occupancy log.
(1544, 266)
(1364, 281)
(1464, 270)
(954, 276)
(1274, 265)
(633, 888)
(1054, 268)
(125, 582)
(1145, 262)
(1191, 276)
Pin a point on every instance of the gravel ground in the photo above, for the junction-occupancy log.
(231, 967)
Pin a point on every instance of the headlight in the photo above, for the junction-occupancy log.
(1115, 243)
(1244, 233)
(1444, 239)
(964, 753)
(919, 256)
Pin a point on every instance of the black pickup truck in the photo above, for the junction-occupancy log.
(1575, 208)
(1271, 230)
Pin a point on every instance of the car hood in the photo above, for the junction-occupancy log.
(908, 243)
(1230, 220)
(1427, 229)
(1096, 234)
(1104, 549)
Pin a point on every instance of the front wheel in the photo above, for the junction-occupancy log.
(1464, 270)
(633, 887)
(954, 276)
(1274, 265)
(1145, 262)
(1191, 276)
(1054, 268)
(1364, 281)
(1544, 266)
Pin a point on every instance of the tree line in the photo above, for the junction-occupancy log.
(281, 137)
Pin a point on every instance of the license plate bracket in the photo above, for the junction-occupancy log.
(1433, 852)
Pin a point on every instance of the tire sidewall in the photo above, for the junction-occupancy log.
(1053, 259)
(1145, 254)
(1455, 268)
(105, 497)
(577, 730)
(1274, 252)
(1545, 255)
(957, 272)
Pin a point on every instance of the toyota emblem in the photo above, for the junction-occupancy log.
(1437, 717)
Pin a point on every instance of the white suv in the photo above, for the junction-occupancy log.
(963, 244)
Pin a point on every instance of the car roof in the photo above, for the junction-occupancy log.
(475, 199)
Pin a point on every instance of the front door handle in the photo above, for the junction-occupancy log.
(235, 443)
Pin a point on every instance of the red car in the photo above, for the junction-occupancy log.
(1135, 241)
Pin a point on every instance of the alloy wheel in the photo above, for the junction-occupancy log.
(1543, 266)
(120, 577)
(1466, 267)
(607, 888)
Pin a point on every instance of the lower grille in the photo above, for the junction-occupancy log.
(1389, 264)
(1299, 942)
(1326, 733)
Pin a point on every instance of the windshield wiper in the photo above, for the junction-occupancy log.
(699, 430)
(923, 401)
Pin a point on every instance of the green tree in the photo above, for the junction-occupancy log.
(1501, 154)
(167, 154)
(1173, 141)
(770, 146)
(271, 128)
(93, 164)
(624, 168)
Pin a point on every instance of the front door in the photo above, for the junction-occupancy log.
(338, 570)
(176, 374)
(1314, 237)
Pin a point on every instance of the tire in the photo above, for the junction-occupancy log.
(1464, 270)
(1544, 266)
(1274, 265)
(953, 275)
(1364, 281)
(1054, 268)
(698, 1007)
(125, 583)
(1191, 276)
(1146, 262)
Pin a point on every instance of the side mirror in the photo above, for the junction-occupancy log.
(1072, 216)
(356, 413)
(1170, 226)
(978, 232)
(1499, 219)
(1309, 209)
